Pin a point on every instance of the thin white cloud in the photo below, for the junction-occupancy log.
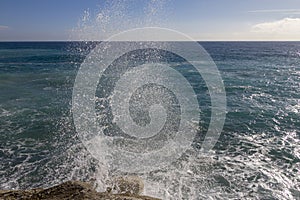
(3, 27)
(286, 26)
(278, 11)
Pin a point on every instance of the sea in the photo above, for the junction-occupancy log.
(256, 157)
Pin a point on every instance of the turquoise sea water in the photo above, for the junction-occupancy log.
(258, 153)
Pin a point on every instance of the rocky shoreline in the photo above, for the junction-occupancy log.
(71, 190)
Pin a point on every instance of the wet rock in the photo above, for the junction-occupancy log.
(71, 190)
(128, 185)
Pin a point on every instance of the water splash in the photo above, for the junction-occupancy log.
(119, 15)
(229, 176)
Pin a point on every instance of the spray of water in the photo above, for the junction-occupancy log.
(146, 115)
(143, 115)
(115, 16)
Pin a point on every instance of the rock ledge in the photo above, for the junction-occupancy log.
(71, 190)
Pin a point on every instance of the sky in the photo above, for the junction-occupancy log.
(225, 20)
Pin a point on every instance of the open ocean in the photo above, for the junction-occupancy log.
(257, 156)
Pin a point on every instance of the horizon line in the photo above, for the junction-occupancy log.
(150, 41)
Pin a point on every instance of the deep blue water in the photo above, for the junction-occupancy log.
(258, 151)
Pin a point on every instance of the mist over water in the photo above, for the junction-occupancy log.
(113, 17)
(257, 155)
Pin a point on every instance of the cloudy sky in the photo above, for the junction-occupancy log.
(201, 19)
